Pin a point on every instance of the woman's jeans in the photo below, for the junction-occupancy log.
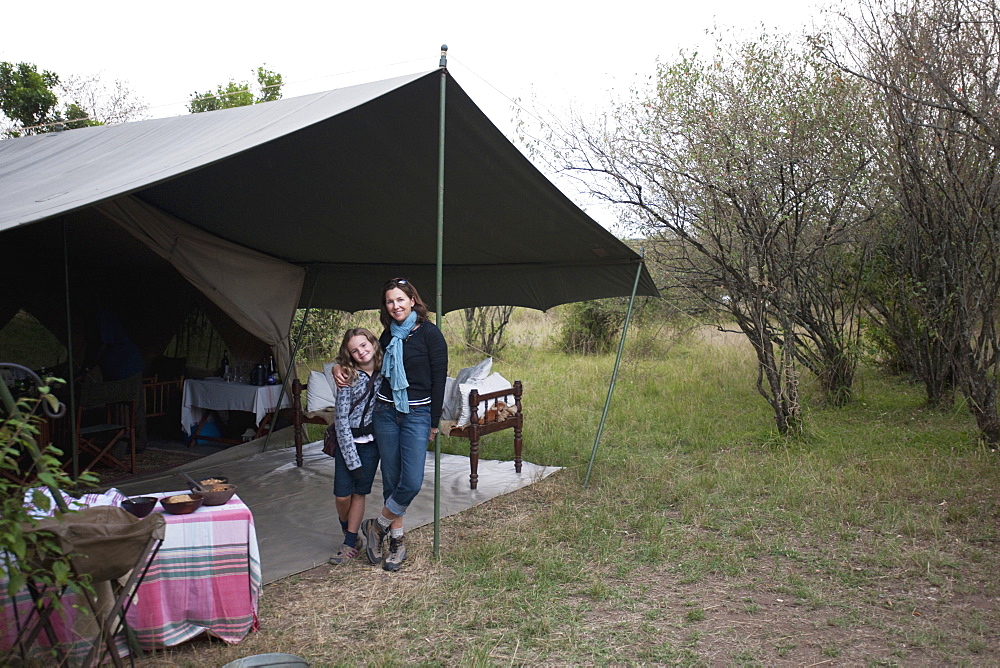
(402, 443)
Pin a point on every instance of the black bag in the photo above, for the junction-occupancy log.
(330, 444)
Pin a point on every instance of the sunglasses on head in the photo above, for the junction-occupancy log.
(397, 281)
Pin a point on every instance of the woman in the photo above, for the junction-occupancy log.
(356, 458)
(407, 411)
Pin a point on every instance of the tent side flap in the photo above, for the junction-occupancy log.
(258, 292)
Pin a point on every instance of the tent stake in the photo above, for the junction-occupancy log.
(443, 64)
(614, 374)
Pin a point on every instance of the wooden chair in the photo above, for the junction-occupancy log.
(106, 417)
(161, 396)
(301, 418)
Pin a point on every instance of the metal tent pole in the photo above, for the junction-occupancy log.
(443, 64)
(69, 358)
(291, 362)
(614, 374)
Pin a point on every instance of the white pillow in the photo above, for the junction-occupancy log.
(454, 402)
(492, 383)
(328, 372)
(319, 394)
(450, 409)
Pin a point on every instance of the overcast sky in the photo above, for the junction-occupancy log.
(560, 53)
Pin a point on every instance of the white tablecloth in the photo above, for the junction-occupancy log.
(214, 394)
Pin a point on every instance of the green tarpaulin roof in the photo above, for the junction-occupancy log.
(342, 183)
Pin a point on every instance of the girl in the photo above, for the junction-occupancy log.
(356, 458)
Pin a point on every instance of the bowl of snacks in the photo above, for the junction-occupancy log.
(140, 506)
(213, 480)
(216, 495)
(182, 504)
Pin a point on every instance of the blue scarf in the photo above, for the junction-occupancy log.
(392, 364)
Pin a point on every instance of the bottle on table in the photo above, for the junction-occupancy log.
(226, 370)
(272, 372)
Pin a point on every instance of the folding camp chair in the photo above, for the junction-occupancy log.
(108, 544)
(106, 419)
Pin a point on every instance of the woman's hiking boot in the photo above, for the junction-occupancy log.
(397, 553)
(374, 536)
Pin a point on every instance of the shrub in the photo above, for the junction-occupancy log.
(24, 464)
(592, 327)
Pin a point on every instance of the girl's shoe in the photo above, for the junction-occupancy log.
(344, 555)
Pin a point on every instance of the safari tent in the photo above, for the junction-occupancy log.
(309, 201)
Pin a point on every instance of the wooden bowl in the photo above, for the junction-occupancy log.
(216, 495)
(182, 507)
(140, 506)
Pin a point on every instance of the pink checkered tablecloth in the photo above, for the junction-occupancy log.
(204, 579)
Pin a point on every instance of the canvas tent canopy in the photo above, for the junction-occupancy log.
(309, 201)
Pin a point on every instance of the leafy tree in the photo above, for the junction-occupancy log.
(750, 169)
(105, 103)
(31, 101)
(239, 94)
(324, 329)
(485, 326)
(936, 67)
(26, 96)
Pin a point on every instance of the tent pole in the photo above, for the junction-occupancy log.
(69, 358)
(618, 360)
(291, 362)
(443, 64)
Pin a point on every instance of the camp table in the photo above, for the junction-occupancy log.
(205, 579)
(214, 394)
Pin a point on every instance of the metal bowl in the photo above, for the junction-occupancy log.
(140, 506)
(182, 507)
(216, 495)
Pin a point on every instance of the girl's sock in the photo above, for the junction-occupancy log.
(343, 525)
(350, 538)
(384, 522)
(396, 533)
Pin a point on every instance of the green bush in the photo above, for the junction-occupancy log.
(592, 327)
(30, 555)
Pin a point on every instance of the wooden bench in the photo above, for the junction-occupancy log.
(479, 426)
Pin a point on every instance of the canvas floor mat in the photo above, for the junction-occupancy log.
(293, 508)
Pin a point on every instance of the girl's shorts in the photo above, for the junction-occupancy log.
(344, 484)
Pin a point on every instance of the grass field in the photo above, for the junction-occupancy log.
(702, 539)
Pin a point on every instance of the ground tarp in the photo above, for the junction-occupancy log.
(293, 508)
